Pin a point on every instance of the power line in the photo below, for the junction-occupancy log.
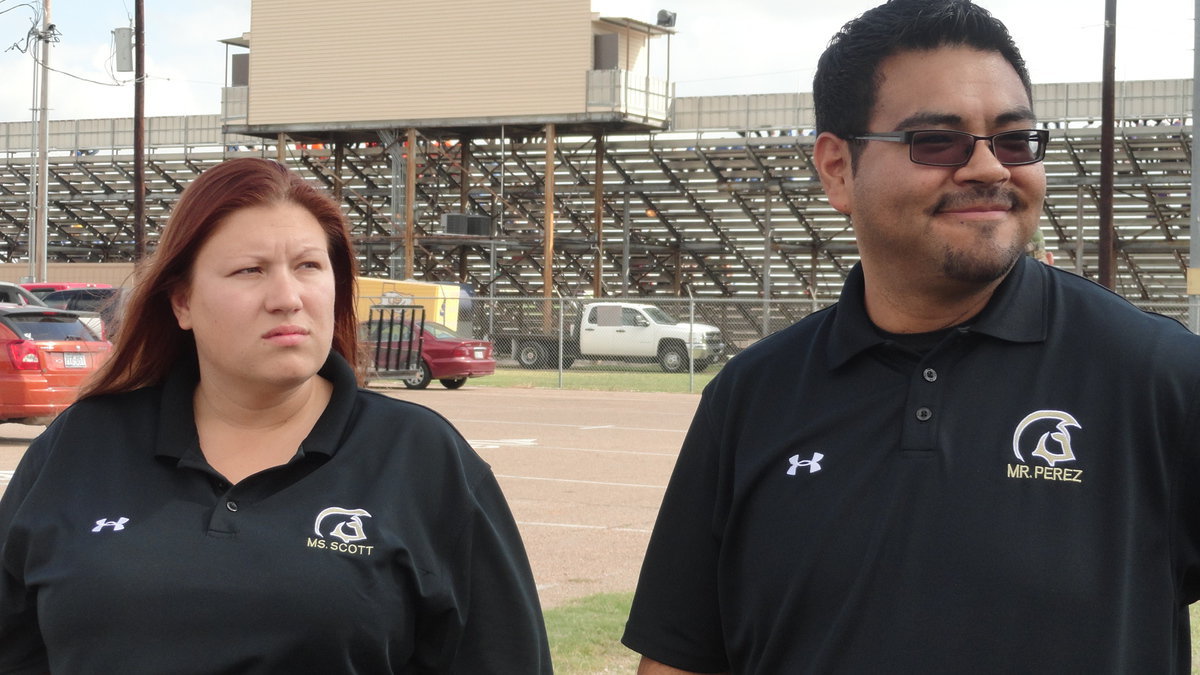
(30, 5)
(33, 31)
(118, 83)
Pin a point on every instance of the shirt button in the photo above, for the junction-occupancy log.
(231, 505)
(930, 375)
(924, 414)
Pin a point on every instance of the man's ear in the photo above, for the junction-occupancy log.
(179, 305)
(831, 157)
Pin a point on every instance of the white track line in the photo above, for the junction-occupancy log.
(496, 445)
(585, 482)
(460, 421)
(575, 526)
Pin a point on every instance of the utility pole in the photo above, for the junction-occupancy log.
(39, 235)
(139, 133)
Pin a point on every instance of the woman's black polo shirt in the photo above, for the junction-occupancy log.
(385, 545)
(1022, 497)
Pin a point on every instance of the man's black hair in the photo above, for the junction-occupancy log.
(847, 79)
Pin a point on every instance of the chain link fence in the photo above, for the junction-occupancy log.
(1176, 310)
(676, 343)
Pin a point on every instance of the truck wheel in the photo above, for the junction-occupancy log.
(672, 359)
(421, 379)
(567, 361)
(533, 355)
(453, 384)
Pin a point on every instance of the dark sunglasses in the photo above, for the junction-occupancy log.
(943, 147)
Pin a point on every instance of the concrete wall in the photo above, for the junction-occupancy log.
(117, 274)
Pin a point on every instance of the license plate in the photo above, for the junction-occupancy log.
(480, 352)
(74, 360)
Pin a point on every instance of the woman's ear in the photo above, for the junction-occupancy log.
(179, 305)
(831, 157)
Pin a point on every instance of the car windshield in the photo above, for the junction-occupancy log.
(441, 332)
(92, 303)
(658, 316)
(87, 300)
(49, 327)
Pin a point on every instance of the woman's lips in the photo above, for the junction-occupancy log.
(286, 335)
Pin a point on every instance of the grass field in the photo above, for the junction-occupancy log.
(1194, 610)
(585, 635)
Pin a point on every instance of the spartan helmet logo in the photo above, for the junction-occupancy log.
(349, 528)
(1059, 435)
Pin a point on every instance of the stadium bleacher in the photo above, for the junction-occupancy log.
(689, 209)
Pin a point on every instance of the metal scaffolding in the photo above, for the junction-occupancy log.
(731, 212)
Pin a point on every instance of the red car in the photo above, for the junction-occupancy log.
(43, 289)
(45, 355)
(445, 356)
(450, 359)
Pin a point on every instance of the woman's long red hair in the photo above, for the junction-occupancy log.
(149, 340)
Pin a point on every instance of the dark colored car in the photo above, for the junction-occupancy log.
(445, 356)
(45, 355)
(97, 307)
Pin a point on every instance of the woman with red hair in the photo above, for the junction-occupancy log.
(225, 498)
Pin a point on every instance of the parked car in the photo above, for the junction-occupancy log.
(42, 289)
(445, 356)
(97, 307)
(14, 294)
(45, 355)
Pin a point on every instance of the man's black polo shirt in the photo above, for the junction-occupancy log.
(1019, 499)
(385, 545)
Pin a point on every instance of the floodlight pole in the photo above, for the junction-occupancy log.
(139, 133)
(1193, 272)
(1107, 243)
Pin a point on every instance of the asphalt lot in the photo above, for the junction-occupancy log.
(583, 471)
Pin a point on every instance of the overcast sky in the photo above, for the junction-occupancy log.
(721, 47)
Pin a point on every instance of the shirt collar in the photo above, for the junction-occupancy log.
(1016, 312)
(177, 437)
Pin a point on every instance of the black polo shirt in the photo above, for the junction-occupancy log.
(384, 545)
(1020, 498)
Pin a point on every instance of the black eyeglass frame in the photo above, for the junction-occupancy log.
(1043, 139)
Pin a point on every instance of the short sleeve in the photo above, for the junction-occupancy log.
(503, 630)
(1186, 533)
(21, 646)
(675, 618)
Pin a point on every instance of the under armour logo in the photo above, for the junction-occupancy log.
(117, 525)
(814, 464)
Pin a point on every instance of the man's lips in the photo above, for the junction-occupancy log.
(981, 212)
(982, 203)
(980, 208)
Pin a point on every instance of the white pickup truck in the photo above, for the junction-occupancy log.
(623, 331)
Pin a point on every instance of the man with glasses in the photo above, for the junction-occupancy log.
(974, 462)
